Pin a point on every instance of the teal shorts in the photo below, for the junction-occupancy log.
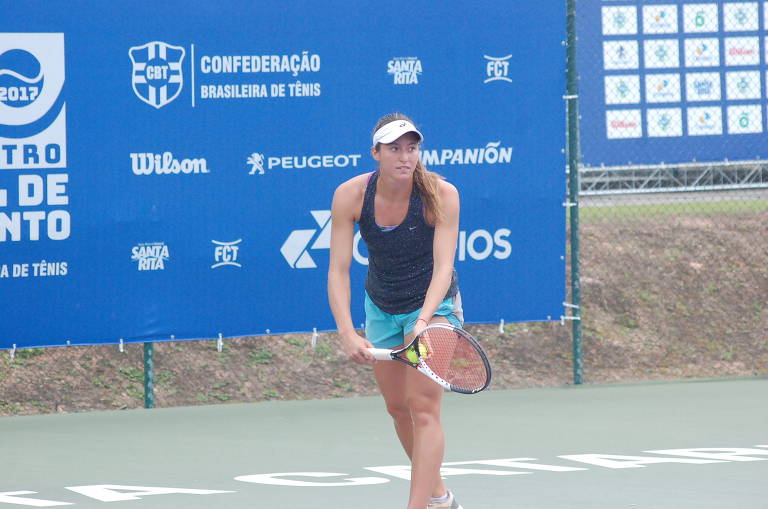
(388, 331)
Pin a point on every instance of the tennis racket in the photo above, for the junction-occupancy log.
(446, 354)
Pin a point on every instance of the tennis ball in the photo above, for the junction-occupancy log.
(410, 354)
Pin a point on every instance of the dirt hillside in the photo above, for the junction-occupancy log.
(680, 297)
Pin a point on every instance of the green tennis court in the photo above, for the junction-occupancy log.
(679, 445)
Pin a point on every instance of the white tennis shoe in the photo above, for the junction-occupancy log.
(450, 503)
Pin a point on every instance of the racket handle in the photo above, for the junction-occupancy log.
(381, 354)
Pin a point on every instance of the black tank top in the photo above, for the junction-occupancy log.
(400, 260)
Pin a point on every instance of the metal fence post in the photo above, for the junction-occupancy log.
(573, 184)
(149, 375)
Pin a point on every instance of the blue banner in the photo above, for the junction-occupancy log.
(167, 168)
(672, 81)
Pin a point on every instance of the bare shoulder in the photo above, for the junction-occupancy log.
(348, 197)
(448, 191)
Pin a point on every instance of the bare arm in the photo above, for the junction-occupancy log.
(345, 207)
(444, 251)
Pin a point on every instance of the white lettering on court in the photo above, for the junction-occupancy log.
(278, 479)
(616, 461)
(11, 497)
(118, 493)
(721, 454)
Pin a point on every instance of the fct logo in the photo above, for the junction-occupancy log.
(32, 107)
(497, 69)
(225, 253)
(156, 77)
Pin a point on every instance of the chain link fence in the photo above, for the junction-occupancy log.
(674, 251)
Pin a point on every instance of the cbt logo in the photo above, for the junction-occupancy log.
(156, 76)
(225, 253)
(32, 107)
(497, 69)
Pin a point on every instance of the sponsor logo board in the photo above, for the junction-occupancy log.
(699, 18)
(664, 122)
(702, 52)
(702, 86)
(622, 89)
(659, 19)
(620, 55)
(662, 88)
(745, 119)
(705, 121)
(623, 124)
(661, 53)
(619, 20)
(740, 17)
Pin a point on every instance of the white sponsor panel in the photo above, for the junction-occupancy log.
(702, 52)
(741, 85)
(620, 55)
(740, 17)
(661, 53)
(622, 89)
(405, 70)
(28, 95)
(702, 86)
(619, 20)
(660, 19)
(742, 50)
(623, 124)
(662, 88)
(745, 119)
(664, 122)
(698, 18)
(705, 121)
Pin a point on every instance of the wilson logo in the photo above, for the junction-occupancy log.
(296, 247)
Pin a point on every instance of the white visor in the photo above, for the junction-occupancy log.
(393, 130)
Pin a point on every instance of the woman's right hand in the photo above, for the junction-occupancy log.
(356, 348)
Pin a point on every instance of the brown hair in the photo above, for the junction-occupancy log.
(427, 182)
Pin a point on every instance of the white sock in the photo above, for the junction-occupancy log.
(441, 499)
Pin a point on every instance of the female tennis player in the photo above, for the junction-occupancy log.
(409, 219)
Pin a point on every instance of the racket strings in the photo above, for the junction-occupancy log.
(455, 359)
